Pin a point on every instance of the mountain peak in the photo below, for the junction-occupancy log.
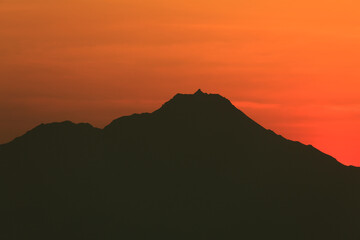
(205, 108)
(196, 103)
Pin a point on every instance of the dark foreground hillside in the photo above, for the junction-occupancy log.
(197, 168)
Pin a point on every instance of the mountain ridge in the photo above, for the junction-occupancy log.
(196, 168)
(178, 98)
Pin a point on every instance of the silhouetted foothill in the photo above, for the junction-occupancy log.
(196, 168)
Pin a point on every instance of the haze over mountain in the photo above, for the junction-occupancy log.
(197, 168)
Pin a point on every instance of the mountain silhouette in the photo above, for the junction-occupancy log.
(196, 168)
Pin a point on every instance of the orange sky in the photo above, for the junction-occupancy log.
(293, 66)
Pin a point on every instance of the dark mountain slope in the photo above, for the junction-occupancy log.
(197, 168)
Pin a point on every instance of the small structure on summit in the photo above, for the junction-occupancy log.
(199, 92)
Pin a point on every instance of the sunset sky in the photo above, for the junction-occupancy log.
(292, 66)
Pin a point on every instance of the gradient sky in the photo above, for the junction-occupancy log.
(292, 66)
